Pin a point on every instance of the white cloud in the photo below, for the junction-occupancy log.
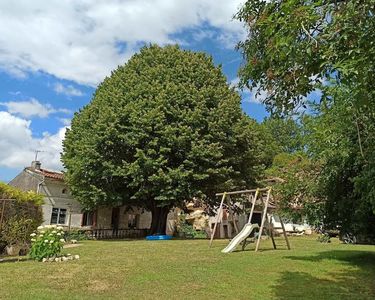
(31, 108)
(68, 90)
(16, 93)
(65, 121)
(79, 40)
(234, 83)
(256, 95)
(18, 145)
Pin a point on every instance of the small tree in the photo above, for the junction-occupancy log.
(163, 128)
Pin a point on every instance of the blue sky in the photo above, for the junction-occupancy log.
(53, 54)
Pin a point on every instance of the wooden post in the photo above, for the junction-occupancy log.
(284, 233)
(244, 191)
(70, 217)
(253, 206)
(2, 214)
(232, 215)
(263, 219)
(217, 217)
(270, 230)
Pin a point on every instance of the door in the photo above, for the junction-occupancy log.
(115, 218)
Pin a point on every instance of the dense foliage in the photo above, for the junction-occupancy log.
(297, 193)
(163, 128)
(285, 135)
(9, 192)
(344, 141)
(20, 215)
(296, 47)
(186, 230)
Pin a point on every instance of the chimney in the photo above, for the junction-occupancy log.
(35, 165)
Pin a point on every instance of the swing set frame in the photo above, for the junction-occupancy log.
(253, 196)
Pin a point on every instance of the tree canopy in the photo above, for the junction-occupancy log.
(295, 47)
(286, 134)
(163, 128)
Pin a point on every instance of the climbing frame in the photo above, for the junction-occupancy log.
(253, 195)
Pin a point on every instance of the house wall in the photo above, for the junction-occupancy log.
(145, 220)
(104, 218)
(52, 190)
(26, 182)
(55, 198)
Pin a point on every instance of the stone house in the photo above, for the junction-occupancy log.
(61, 208)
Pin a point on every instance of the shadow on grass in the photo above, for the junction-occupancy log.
(357, 281)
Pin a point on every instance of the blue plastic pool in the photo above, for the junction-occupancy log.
(158, 237)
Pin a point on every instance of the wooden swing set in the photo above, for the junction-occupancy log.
(262, 196)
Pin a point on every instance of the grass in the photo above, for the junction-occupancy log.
(188, 269)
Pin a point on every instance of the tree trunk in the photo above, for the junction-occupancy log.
(159, 220)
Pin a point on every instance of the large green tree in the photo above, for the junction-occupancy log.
(344, 140)
(295, 47)
(163, 128)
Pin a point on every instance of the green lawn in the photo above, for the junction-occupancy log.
(188, 269)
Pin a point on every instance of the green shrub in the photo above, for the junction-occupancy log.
(76, 234)
(199, 234)
(46, 242)
(10, 192)
(17, 230)
(187, 231)
(324, 238)
(20, 214)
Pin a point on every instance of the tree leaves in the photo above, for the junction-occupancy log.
(164, 128)
(294, 46)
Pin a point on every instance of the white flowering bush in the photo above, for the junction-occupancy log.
(46, 242)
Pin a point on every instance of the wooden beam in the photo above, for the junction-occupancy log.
(284, 233)
(217, 217)
(270, 229)
(253, 206)
(232, 215)
(263, 220)
(244, 191)
(2, 213)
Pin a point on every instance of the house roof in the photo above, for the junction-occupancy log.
(47, 173)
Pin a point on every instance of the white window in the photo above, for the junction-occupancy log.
(58, 216)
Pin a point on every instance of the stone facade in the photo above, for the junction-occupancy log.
(61, 208)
